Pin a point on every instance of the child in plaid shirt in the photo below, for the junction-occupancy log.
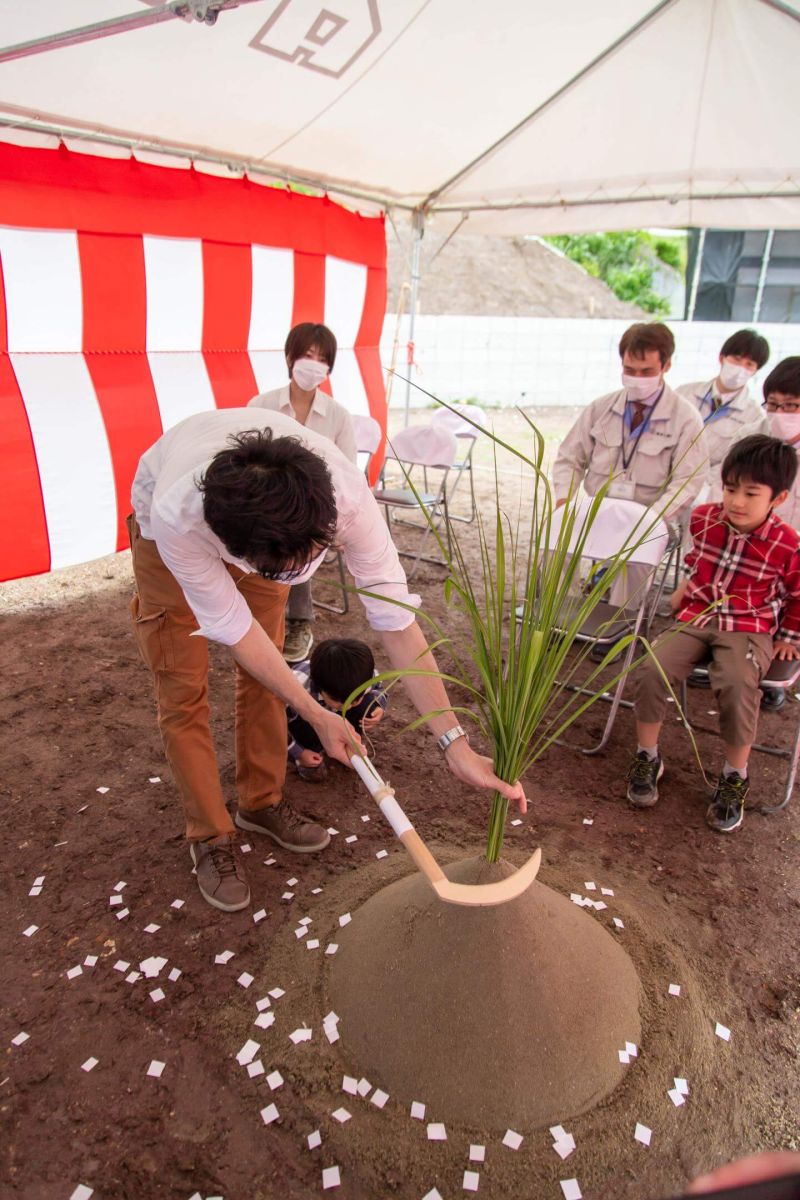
(740, 604)
(336, 668)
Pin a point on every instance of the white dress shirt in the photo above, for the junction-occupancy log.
(169, 508)
(325, 416)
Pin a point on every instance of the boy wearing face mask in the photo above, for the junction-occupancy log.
(310, 354)
(724, 403)
(644, 437)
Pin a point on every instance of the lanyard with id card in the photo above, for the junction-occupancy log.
(625, 488)
(719, 411)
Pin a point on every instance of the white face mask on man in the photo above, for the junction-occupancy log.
(784, 425)
(733, 376)
(643, 389)
(308, 374)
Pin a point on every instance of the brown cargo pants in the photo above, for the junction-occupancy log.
(163, 623)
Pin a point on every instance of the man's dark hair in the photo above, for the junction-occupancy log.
(746, 343)
(784, 378)
(338, 665)
(761, 459)
(645, 336)
(270, 501)
(304, 336)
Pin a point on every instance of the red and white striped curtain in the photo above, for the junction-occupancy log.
(132, 296)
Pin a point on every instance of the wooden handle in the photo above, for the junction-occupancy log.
(421, 856)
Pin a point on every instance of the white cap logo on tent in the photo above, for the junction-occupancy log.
(305, 33)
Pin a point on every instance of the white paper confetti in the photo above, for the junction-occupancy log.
(676, 1097)
(152, 928)
(154, 779)
(177, 904)
(723, 1032)
(316, 891)
(156, 1069)
(269, 1114)
(263, 1003)
(223, 958)
(133, 976)
(590, 887)
(74, 972)
(156, 995)
(265, 1020)
(588, 820)
(618, 923)
(301, 931)
(333, 832)
(365, 818)
(90, 960)
(269, 862)
(244, 980)
(345, 919)
(379, 1098)
(382, 854)
(642, 1134)
(119, 886)
(312, 944)
(331, 947)
(331, 1177)
(81, 1192)
(254, 1069)
(300, 1035)
(512, 1140)
(606, 891)
(30, 931)
(121, 965)
(350, 1085)
(287, 896)
(331, 1033)
(101, 790)
(291, 882)
(624, 1057)
(433, 1194)
(418, 1110)
(472, 1178)
(248, 1052)
(259, 916)
(681, 1086)
(276, 993)
(245, 848)
(20, 1039)
(631, 1048)
(571, 1189)
(341, 1115)
(90, 1064)
(516, 821)
(174, 975)
(115, 900)
(364, 1087)
(314, 1139)
(351, 838)
(674, 989)
(123, 912)
(437, 1132)
(477, 1153)
(275, 1080)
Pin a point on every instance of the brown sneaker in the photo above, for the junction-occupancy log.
(285, 826)
(219, 874)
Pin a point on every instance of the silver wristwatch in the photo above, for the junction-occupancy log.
(451, 736)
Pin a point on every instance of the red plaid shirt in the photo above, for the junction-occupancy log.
(751, 579)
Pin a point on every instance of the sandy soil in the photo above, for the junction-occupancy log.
(716, 915)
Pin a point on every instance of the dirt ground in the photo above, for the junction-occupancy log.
(91, 808)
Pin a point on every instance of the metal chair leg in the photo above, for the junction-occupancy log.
(345, 605)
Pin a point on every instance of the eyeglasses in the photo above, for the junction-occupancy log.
(787, 406)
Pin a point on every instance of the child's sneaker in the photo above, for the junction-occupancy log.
(726, 810)
(643, 776)
(316, 774)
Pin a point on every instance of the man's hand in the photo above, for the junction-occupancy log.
(785, 651)
(309, 758)
(337, 735)
(478, 771)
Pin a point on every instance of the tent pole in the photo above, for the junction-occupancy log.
(762, 275)
(698, 262)
(418, 225)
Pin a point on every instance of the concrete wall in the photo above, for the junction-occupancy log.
(535, 360)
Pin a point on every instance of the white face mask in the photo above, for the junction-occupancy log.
(644, 390)
(308, 374)
(785, 426)
(732, 376)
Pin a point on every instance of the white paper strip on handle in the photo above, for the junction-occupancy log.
(395, 815)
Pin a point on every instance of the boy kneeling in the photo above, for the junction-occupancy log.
(739, 605)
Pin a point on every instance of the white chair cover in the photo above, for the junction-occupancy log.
(424, 446)
(368, 433)
(455, 420)
(617, 524)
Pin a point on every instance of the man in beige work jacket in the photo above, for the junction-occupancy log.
(644, 437)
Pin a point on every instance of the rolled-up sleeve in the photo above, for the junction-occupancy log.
(219, 607)
(373, 561)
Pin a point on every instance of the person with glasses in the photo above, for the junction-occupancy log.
(725, 402)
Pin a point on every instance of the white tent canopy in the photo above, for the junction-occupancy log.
(527, 115)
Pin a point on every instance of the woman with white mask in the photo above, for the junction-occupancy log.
(310, 352)
(724, 402)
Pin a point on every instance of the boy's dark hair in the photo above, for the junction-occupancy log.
(784, 378)
(645, 336)
(338, 665)
(270, 502)
(761, 459)
(306, 335)
(746, 343)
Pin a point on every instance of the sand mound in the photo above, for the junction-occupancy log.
(495, 1017)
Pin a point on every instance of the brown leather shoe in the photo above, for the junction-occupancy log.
(219, 873)
(285, 826)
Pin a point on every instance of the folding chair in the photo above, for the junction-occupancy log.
(616, 524)
(781, 677)
(368, 437)
(433, 448)
(458, 419)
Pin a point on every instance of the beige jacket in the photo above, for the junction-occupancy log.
(668, 466)
(326, 416)
(739, 412)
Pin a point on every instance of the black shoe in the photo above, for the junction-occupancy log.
(699, 679)
(772, 699)
(643, 776)
(598, 653)
(726, 810)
